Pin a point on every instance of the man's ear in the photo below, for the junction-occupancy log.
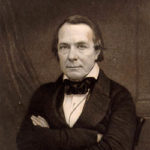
(98, 51)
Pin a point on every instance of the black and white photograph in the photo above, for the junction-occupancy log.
(74, 75)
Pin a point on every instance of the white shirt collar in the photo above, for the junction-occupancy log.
(93, 73)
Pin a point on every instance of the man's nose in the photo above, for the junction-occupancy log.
(72, 54)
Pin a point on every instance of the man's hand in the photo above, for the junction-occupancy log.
(39, 121)
(99, 137)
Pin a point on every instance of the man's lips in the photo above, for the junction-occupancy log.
(73, 67)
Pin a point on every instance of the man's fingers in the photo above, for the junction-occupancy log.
(36, 121)
(43, 121)
(40, 121)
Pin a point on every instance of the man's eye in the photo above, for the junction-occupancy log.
(82, 46)
(63, 47)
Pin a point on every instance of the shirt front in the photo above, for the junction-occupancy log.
(73, 104)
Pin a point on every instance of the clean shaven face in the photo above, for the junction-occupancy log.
(76, 51)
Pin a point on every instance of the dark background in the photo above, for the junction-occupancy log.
(26, 60)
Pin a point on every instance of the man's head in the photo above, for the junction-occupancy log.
(78, 45)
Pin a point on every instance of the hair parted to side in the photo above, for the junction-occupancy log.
(77, 19)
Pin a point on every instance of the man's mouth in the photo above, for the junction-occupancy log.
(73, 67)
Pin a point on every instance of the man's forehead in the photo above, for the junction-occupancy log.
(68, 31)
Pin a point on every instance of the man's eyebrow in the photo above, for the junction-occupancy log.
(81, 42)
(63, 43)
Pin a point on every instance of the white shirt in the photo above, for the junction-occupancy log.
(73, 104)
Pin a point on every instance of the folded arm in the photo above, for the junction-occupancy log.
(121, 126)
(31, 137)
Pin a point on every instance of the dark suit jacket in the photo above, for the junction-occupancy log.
(109, 110)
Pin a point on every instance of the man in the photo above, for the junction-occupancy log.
(83, 109)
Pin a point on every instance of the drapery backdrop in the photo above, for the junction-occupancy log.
(26, 60)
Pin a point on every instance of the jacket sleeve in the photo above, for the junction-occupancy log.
(32, 137)
(121, 125)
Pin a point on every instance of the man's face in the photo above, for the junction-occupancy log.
(76, 50)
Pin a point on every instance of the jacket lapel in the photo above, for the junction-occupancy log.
(97, 105)
(54, 108)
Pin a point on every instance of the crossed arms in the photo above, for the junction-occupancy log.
(37, 134)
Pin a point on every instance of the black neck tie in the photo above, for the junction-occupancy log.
(72, 87)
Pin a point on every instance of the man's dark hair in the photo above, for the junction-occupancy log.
(77, 19)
